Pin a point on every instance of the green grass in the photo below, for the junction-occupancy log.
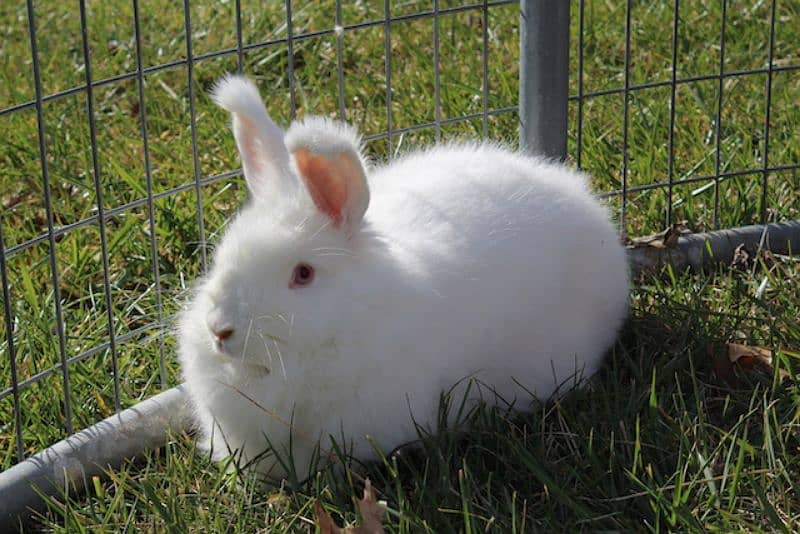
(657, 444)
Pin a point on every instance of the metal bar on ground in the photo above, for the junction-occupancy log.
(73, 461)
(702, 251)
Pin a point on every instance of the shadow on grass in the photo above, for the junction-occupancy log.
(655, 441)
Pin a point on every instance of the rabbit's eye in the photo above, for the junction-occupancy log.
(303, 275)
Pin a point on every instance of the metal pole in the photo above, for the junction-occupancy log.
(702, 251)
(68, 464)
(544, 76)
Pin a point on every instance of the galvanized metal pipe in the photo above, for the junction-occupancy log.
(701, 251)
(68, 464)
(544, 76)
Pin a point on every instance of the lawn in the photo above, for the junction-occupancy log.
(658, 442)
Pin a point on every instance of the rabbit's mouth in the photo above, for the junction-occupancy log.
(256, 367)
(258, 350)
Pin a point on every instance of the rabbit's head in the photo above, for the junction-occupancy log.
(281, 271)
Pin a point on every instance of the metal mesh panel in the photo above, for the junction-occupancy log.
(133, 335)
(722, 79)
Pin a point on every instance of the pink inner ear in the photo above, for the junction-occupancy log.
(250, 148)
(326, 184)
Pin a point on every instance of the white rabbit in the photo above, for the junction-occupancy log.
(332, 319)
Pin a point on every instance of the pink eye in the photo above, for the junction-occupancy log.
(302, 276)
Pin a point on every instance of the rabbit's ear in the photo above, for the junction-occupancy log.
(265, 158)
(328, 158)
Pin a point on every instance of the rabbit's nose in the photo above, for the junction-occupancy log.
(219, 328)
(223, 333)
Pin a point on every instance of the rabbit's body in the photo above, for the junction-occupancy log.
(471, 261)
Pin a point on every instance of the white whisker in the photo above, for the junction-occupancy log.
(247, 338)
(302, 223)
(282, 318)
(266, 347)
(320, 229)
(332, 249)
(333, 254)
(280, 358)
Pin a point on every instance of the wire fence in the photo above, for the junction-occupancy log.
(720, 77)
(64, 332)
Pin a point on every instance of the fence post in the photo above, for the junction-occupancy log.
(544, 76)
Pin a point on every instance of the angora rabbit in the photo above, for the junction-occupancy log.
(344, 299)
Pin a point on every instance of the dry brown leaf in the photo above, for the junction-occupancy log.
(668, 238)
(741, 258)
(324, 521)
(723, 367)
(747, 358)
(372, 513)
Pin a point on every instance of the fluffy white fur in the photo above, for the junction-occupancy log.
(323, 136)
(264, 156)
(471, 260)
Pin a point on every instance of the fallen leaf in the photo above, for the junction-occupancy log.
(667, 238)
(672, 234)
(372, 513)
(741, 258)
(723, 367)
(324, 521)
(749, 357)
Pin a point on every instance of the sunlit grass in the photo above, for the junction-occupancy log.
(637, 448)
